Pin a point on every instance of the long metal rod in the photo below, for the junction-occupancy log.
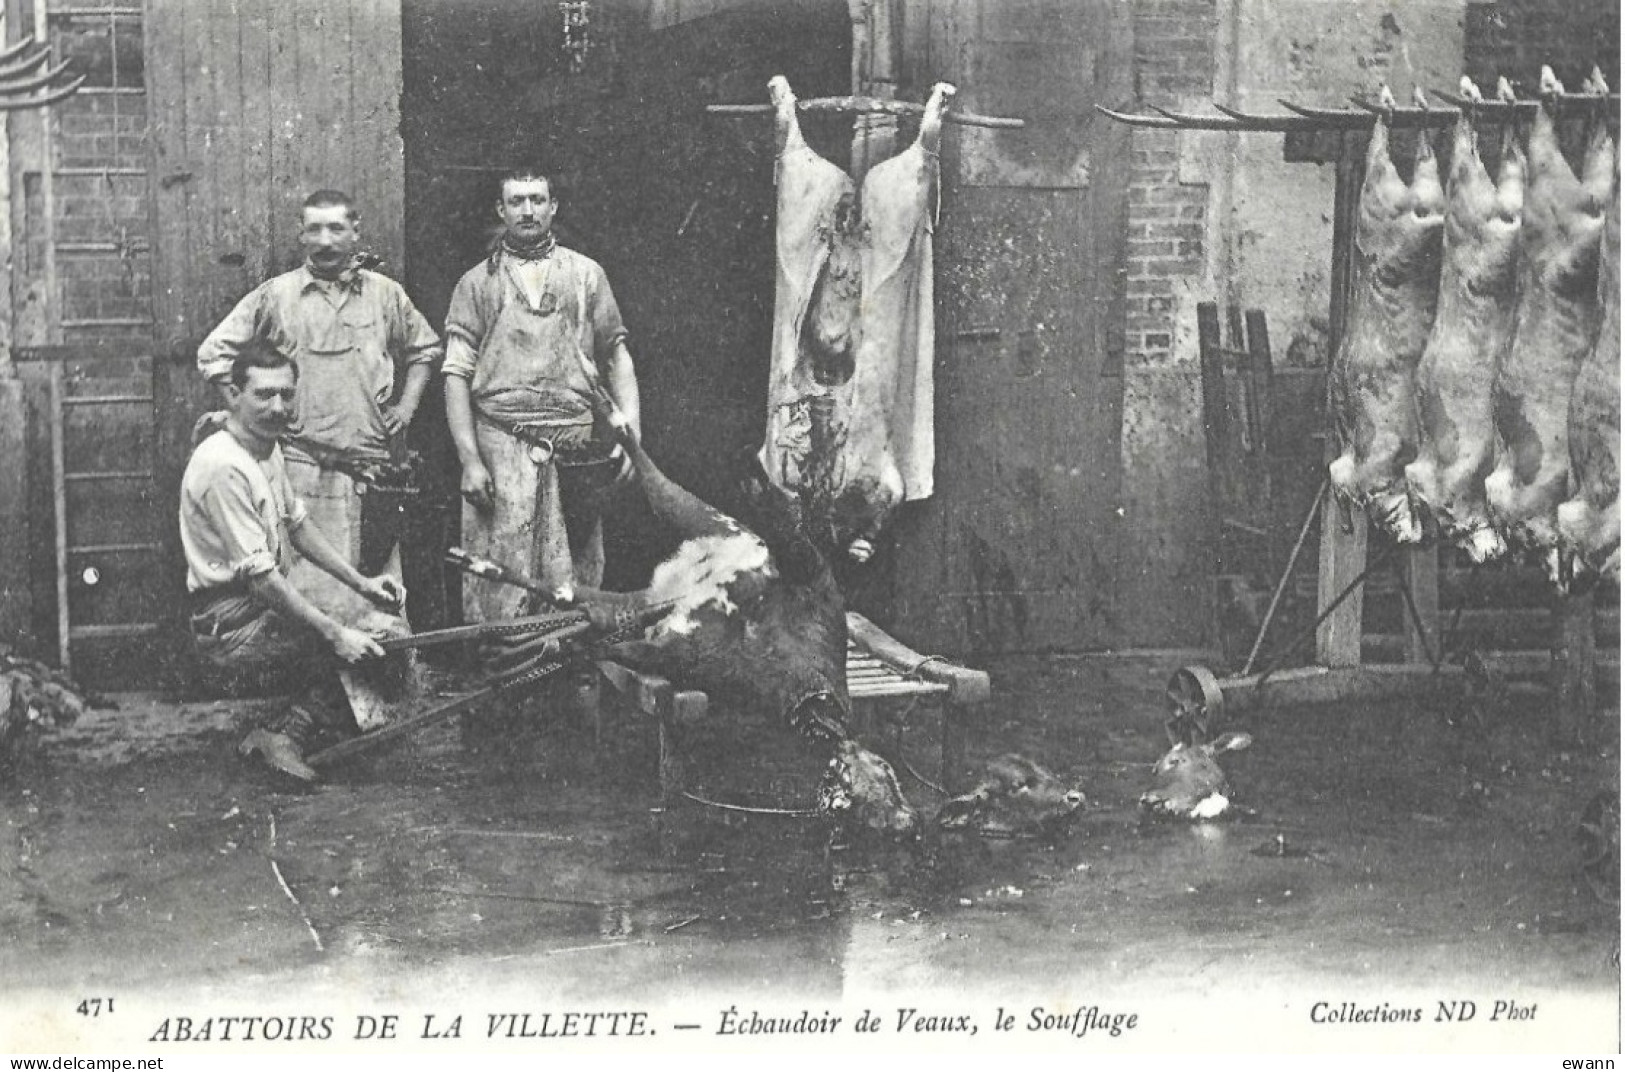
(11, 52)
(557, 626)
(1286, 575)
(1191, 121)
(395, 730)
(38, 81)
(870, 106)
(43, 99)
(23, 66)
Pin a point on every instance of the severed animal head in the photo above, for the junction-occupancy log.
(1014, 797)
(1188, 782)
(861, 788)
(34, 698)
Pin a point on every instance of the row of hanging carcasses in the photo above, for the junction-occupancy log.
(1474, 396)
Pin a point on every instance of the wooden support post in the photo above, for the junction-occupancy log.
(1216, 426)
(1421, 575)
(16, 595)
(1215, 413)
(672, 774)
(1261, 416)
(954, 718)
(1574, 668)
(59, 497)
(1342, 552)
(1342, 559)
(1260, 383)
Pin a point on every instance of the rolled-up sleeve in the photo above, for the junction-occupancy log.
(465, 327)
(416, 341)
(244, 544)
(230, 336)
(607, 326)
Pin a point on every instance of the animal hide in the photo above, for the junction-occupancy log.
(850, 389)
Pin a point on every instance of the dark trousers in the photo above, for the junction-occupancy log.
(245, 646)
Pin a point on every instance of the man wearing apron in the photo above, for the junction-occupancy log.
(531, 331)
(365, 355)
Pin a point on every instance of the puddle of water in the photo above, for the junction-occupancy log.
(537, 855)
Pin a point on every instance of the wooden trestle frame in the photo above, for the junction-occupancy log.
(1196, 695)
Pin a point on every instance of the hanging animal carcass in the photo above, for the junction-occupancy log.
(1477, 297)
(1589, 522)
(1371, 386)
(849, 424)
(1556, 327)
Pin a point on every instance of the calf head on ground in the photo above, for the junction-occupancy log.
(1013, 796)
(1188, 782)
(861, 788)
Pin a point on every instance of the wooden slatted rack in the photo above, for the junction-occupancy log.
(878, 667)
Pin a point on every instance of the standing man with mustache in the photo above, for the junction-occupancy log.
(365, 356)
(241, 521)
(532, 332)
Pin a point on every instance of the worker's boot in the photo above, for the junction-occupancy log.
(281, 745)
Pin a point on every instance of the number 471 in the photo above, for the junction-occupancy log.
(94, 1006)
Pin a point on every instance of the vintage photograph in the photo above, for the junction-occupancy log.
(783, 527)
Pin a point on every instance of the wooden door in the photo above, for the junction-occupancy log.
(1016, 552)
(254, 106)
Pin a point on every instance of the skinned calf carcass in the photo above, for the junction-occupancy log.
(1588, 524)
(756, 614)
(1556, 328)
(1371, 386)
(850, 388)
(1013, 797)
(1188, 782)
(1455, 382)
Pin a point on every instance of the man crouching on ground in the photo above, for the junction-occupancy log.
(240, 522)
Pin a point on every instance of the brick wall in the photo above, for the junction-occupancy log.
(1515, 37)
(1173, 58)
(1165, 600)
(102, 130)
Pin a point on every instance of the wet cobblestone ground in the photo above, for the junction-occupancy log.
(1380, 852)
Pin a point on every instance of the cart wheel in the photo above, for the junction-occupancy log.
(1599, 845)
(1195, 702)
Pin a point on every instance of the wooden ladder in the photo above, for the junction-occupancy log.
(81, 565)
